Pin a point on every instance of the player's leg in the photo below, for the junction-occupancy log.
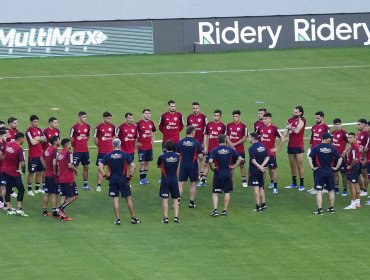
(293, 170)
(126, 193)
(299, 158)
(215, 204)
(262, 195)
(20, 187)
(193, 177)
(203, 178)
(227, 198)
(243, 172)
(45, 212)
(165, 209)
(38, 182)
(31, 172)
(257, 199)
(116, 208)
(365, 179)
(336, 181)
(345, 183)
(99, 177)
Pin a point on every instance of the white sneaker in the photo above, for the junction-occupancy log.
(271, 186)
(310, 190)
(245, 185)
(350, 207)
(19, 212)
(38, 191)
(363, 193)
(313, 191)
(10, 212)
(1, 205)
(30, 193)
(275, 191)
(98, 188)
(13, 194)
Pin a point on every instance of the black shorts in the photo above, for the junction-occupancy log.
(222, 184)
(353, 173)
(145, 155)
(68, 189)
(295, 150)
(99, 158)
(132, 156)
(272, 163)
(117, 188)
(368, 169)
(51, 186)
(35, 165)
(12, 181)
(81, 157)
(169, 186)
(186, 172)
(256, 180)
(324, 180)
(242, 155)
(2, 180)
(342, 167)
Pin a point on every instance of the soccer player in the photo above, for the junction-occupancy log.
(35, 139)
(79, 136)
(258, 123)
(66, 178)
(171, 123)
(295, 128)
(12, 125)
(3, 137)
(320, 159)
(367, 150)
(268, 133)
(213, 129)
(2, 124)
(353, 169)
(258, 159)
(339, 142)
(362, 139)
(190, 150)
(127, 133)
(237, 133)
(103, 137)
(145, 138)
(49, 161)
(13, 157)
(220, 161)
(169, 162)
(121, 169)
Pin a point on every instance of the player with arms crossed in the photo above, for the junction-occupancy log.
(258, 123)
(12, 125)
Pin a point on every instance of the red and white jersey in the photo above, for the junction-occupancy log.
(354, 154)
(199, 121)
(48, 133)
(80, 134)
(2, 150)
(127, 133)
(317, 131)
(13, 155)
(214, 129)
(66, 174)
(340, 140)
(12, 133)
(171, 125)
(361, 138)
(268, 137)
(368, 148)
(144, 132)
(257, 124)
(235, 132)
(296, 139)
(105, 134)
(49, 155)
(34, 150)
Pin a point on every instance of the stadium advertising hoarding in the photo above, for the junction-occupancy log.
(76, 39)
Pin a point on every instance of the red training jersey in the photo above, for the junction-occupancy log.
(296, 139)
(66, 174)
(49, 155)
(34, 150)
(268, 137)
(257, 124)
(235, 132)
(214, 129)
(361, 138)
(2, 150)
(13, 155)
(12, 133)
(170, 125)
(340, 140)
(317, 131)
(105, 133)
(79, 135)
(199, 121)
(48, 133)
(144, 133)
(353, 154)
(127, 133)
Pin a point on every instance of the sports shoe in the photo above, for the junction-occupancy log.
(367, 202)
(117, 222)
(10, 211)
(259, 209)
(214, 213)
(264, 207)
(146, 181)
(201, 184)
(291, 186)
(66, 219)
(350, 207)
(46, 213)
(30, 193)
(13, 194)
(1, 205)
(318, 212)
(363, 193)
(135, 221)
(301, 188)
(142, 181)
(330, 210)
(358, 205)
(165, 220)
(192, 205)
(87, 188)
(38, 191)
(20, 212)
(271, 186)
(313, 192)
(245, 185)
(275, 191)
(56, 215)
(336, 191)
(224, 213)
(61, 213)
(344, 192)
(98, 188)
(176, 220)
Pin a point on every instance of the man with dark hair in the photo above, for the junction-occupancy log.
(170, 124)
(168, 162)
(236, 134)
(295, 129)
(103, 137)
(13, 157)
(35, 139)
(121, 169)
(145, 136)
(3, 136)
(213, 129)
(79, 136)
(190, 150)
(12, 125)
(219, 161)
(339, 142)
(127, 133)
(363, 140)
(66, 178)
(258, 123)
(320, 159)
(2, 124)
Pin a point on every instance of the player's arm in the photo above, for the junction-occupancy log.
(161, 124)
(72, 131)
(298, 128)
(311, 139)
(181, 126)
(2, 155)
(33, 141)
(96, 140)
(22, 161)
(238, 161)
(101, 170)
(55, 167)
(131, 170)
(159, 162)
(260, 167)
(339, 161)
(42, 159)
(72, 167)
(211, 164)
(281, 142)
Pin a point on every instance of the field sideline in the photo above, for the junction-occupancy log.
(285, 242)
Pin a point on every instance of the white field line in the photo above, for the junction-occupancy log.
(187, 72)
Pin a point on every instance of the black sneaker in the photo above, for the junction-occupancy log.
(263, 206)
(135, 221)
(330, 210)
(318, 212)
(46, 213)
(176, 220)
(192, 205)
(117, 222)
(259, 209)
(165, 220)
(214, 213)
(224, 213)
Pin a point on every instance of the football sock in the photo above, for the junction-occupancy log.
(37, 186)
(85, 183)
(263, 204)
(43, 185)
(63, 206)
(30, 187)
(99, 185)
(145, 173)
(301, 181)
(244, 179)
(204, 179)
(294, 180)
(275, 185)
(142, 176)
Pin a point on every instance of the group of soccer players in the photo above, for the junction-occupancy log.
(207, 146)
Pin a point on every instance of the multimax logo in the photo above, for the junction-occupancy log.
(50, 37)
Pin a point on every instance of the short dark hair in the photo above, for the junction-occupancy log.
(1, 122)
(195, 103)
(3, 131)
(146, 110)
(363, 121)
(300, 109)
(217, 111)
(351, 133)
(81, 113)
(53, 139)
(262, 109)
(51, 119)
(33, 117)
(65, 141)
(267, 115)
(106, 114)
(337, 120)
(320, 113)
(11, 119)
(169, 145)
(18, 135)
(254, 135)
(171, 102)
(128, 114)
(221, 138)
(190, 130)
(236, 112)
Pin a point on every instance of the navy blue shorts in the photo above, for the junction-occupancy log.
(132, 156)
(99, 158)
(68, 189)
(321, 180)
(169, 186)
(35, 165)
(353, 173)
(117, 188)
(363, 165)
(12, 181)
(272, 163)
(145, 155)
(2, 180)
(342, 167)
(368, 169)
(256, 180)
(81, 157)
(51, 186)
(186, 172)
(222, 184)
(295, 150)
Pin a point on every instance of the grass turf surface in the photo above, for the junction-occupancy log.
(284, 242)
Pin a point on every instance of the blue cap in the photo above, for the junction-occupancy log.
(327, 135)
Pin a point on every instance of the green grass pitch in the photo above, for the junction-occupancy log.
(284, 242)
